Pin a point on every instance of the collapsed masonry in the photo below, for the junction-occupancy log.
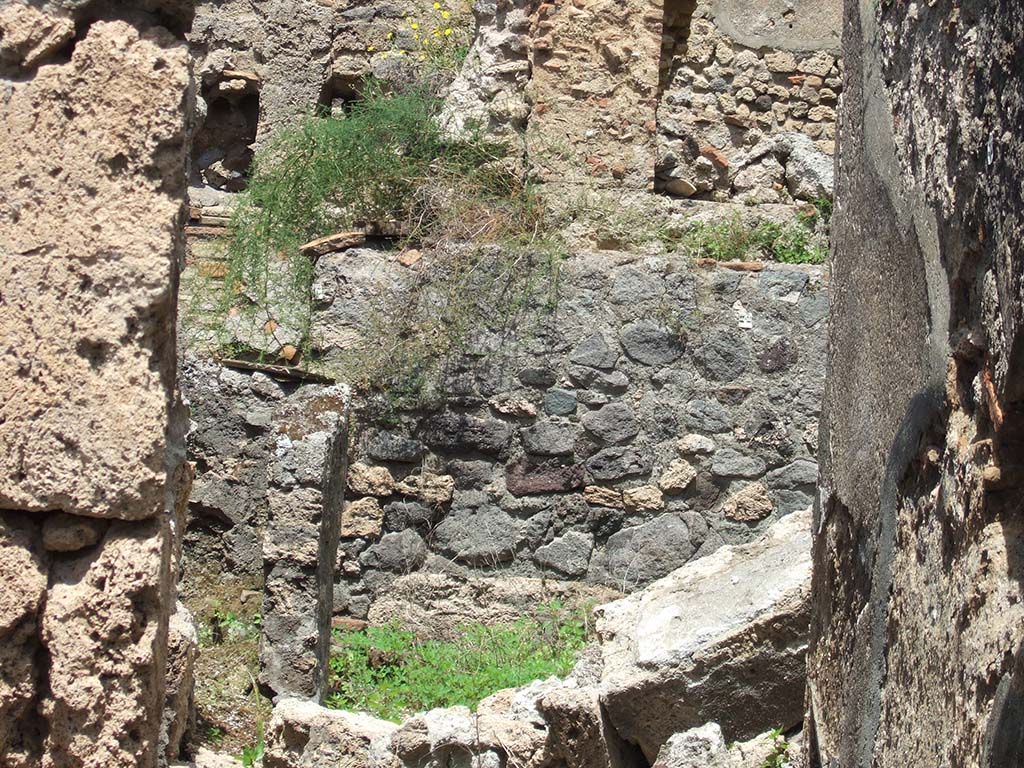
(93, 483)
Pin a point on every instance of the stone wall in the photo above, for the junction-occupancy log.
(92, 482)
(653, 414)
(705, 99)
(697, 99)
(916, 653)
(747, 94)
(261, 66)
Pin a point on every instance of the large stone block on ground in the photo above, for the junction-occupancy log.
(302, 734)
(436, 604)
(306, 484)
(723, 638)
(88, 303)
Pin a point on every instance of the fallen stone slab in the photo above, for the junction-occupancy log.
(720, 639)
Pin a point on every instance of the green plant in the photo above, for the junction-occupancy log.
(388, 160)
(734, 240)
(389, 672)
(253, 755)
(780, 750)
(214, 734)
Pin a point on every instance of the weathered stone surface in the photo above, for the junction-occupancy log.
(306, 485)
(89, 422)
(705, 747)
(594, 352)
(370, 481)
(486, 536)
(530, 476)
(388, 446)
(720, 639)
(437, 604)
(69, 533)
(362, 517)
(457, 430)
(640, 554)
(617, 463)
(95, 303)
(723, 355)
(580, 735)
(549, 438)
(30, 36)
(23, 573)
(707, 416)
(568, 554)
(749, 504)
(650, 344)
(431, 489)
(401, 552)
(644, 498)
(560, 402)
(730, 463)
(677, 477)
(613, 423)
(105, 631)
(302, 734)
(917, 594)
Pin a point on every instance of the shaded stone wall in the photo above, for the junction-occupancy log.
(93, 120)
(915, 654)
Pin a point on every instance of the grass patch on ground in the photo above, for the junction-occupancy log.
(388, 672)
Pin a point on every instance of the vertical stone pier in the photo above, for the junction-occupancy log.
(305, 493)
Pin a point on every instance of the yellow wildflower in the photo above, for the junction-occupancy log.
(436, 6)
(448, 32)
(414, 25)
(371, 48)
(445, 14)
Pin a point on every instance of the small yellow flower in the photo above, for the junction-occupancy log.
(445, 14)
(414, 25)
(436, 6)
(391, 35)
(448, 32)
(371, 48)
(423, 57)
(416, 36)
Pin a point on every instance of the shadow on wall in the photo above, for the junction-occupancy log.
(222, 146)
